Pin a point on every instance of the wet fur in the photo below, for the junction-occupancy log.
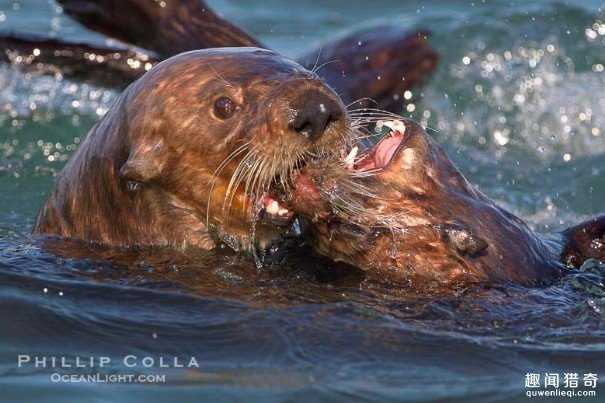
(419, 222)
(161, 169)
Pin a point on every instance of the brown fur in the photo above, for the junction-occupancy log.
(419, 221)
(148, 172)
(167, 27)
(374, 67)
(584, 241)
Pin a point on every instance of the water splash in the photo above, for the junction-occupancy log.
(44, 118)
(517, 103)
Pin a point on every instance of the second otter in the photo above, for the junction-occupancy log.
(401, 210)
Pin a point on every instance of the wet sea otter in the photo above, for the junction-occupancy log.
(401, 210)
(205, 144)
(189, 153)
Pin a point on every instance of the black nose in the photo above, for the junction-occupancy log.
(313, 113)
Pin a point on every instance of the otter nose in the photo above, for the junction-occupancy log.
(313, 113)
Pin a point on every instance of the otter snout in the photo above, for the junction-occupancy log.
(313, 113)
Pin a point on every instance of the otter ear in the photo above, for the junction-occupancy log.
(145, 162)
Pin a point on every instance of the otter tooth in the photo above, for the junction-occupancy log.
(350, 159)
(395, 125)
(272, 207)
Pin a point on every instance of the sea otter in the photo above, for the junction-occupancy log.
(189, 153)
(402, 211)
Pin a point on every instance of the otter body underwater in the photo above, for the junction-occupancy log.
(402, 211)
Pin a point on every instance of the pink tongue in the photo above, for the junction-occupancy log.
(386, 149)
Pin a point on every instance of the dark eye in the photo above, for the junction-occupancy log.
(224, 107)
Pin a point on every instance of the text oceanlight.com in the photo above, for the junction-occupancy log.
(107, 378)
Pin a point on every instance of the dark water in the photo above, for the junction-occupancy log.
(518, 102)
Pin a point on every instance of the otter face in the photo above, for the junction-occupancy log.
(400, 180)
(402, 210)
(217, 130)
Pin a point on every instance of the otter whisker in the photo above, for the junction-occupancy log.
(363, 121)
(317, 59)
(365, 174)
(376, 110)
(432, 129)
(284, 173)
(250, 177)
(373, 111)
(260, 179)
(243, 169)
(360, 100)
(365, 118)
(215, 175)
(324, 64)
(254, 177)
(239, 170)
(360, 189)
(229, 158)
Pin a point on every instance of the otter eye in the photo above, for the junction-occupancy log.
(224, 107)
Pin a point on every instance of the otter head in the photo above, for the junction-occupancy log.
(401, 209)
(404, 179)
(218, 130)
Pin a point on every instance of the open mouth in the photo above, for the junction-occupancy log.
(273, 208)
(379, 156)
